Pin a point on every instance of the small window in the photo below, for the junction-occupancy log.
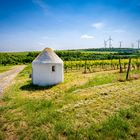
(53, 68)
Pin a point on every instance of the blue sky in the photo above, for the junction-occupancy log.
(67, 24)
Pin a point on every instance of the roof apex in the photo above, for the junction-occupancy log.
(47, 56)
(48, 49)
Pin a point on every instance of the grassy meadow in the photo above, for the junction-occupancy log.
(5, 68)
(86, 106)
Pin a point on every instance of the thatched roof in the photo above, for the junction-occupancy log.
(47, 56)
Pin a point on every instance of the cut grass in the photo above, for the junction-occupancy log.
(85, 106)
(122, 125)
(5, 68)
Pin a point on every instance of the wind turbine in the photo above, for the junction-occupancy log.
(120, 44)
(132, 45)
(105, 44)
(138, 43)
(110, 42)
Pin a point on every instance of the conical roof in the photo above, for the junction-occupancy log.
(47, 56)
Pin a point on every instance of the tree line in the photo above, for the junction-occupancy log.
(66, 55)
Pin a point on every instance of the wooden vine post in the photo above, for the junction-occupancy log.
(128, 69)
(121, 70)
(85, 71)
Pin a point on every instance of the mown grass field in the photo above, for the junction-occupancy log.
(5, 68)
(86, 106)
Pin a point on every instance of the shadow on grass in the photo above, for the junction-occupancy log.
(31, 87)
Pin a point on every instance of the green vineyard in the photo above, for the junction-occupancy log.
(99, 65)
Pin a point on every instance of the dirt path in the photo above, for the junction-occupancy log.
(8, 76)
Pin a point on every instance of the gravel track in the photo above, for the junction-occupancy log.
(7, 77)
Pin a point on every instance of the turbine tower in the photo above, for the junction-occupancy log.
(110, 42)
(105, 44)
(138, 43)
(120, 44)
(132, 45)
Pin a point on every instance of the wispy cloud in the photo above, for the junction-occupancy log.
(85, 36)
(119, 31)
(41, 43)
(42, 5)
(115, 31)
(98, 25)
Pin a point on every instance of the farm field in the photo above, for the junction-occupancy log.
(86, 106)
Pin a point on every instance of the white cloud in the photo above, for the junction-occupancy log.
(85, 36)
(98, 25)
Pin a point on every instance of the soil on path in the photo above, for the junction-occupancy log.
(7, 77)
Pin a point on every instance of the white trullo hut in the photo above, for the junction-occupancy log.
(47, 68)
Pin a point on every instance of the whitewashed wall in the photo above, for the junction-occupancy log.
(43, 75)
